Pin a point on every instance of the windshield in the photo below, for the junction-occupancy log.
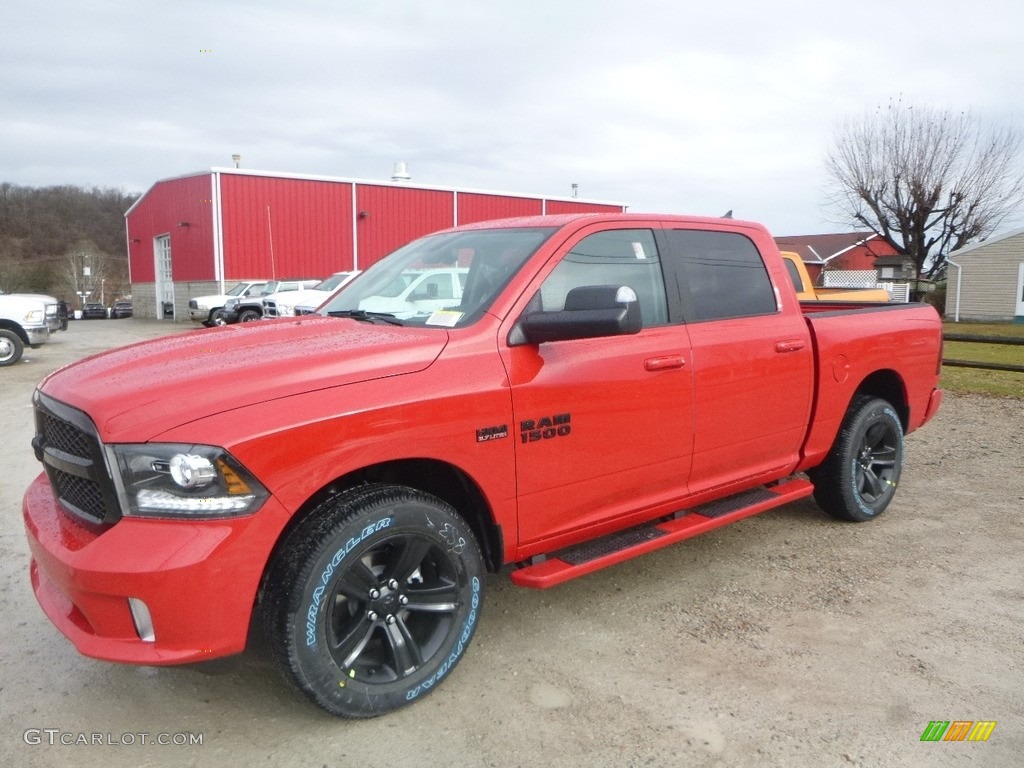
(447, 280)
(238, 290)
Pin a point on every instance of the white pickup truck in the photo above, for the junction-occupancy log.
(285, 304)
(416, 293)
(23, 323)
(208, 310)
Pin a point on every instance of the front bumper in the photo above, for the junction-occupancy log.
(199, 580)
(37, 335)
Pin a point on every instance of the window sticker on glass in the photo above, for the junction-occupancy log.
(638, 249)
(444, 317)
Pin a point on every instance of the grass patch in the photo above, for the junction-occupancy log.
(1002, 383)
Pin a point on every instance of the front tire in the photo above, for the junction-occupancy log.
(217, 318)
(858, 479)
(11, 347)
(373, 599)
(248, 316)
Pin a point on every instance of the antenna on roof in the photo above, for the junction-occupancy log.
(727, 214)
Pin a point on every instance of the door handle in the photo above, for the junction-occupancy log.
(664, 363)
(790, 345)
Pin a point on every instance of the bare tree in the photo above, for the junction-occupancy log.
(927, 181)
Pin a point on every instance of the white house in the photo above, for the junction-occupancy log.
(986, 280)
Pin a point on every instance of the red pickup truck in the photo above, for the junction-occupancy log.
(600, 387)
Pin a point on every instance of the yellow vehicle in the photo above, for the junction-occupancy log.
(805, 290)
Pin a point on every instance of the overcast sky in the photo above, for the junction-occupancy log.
(668, 106)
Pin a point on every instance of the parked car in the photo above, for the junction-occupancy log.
(52, 307)
(419, 292)
(208, 309)
(806, 290)
(244, 310)
(23, 323)
(121, 309)
(287, 304)
(94, 310)
(603, 386)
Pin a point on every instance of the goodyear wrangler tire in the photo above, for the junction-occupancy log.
(859, 477)
(373, 599)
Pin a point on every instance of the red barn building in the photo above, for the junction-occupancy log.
(198, 234)
(848, 252)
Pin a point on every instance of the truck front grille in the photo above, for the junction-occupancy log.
(269, 308)
(67, 444)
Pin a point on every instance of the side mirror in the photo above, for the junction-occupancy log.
(590, 312)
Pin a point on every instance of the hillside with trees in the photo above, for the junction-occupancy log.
(64, 240)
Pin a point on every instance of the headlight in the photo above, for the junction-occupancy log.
(285, 310)
(230, 303)
(34, 317)
(176, 480)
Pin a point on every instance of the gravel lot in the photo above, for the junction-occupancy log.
(785, 640)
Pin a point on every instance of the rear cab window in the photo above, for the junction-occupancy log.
(721, 275)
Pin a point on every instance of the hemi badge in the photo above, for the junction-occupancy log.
(491, 433)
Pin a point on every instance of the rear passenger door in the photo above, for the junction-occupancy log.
(752, 362)
(602, 425)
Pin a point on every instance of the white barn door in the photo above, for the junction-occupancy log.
(164, 278)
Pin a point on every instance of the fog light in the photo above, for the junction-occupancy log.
(143, 621)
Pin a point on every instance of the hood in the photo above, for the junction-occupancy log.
(135, 392)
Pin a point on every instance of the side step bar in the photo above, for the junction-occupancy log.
(614, 548)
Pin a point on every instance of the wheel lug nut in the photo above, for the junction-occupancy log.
(392, 584)
(374, 594)
(404, 600)
(390, 619)
(371, 615)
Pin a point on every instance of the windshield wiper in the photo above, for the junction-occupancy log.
(367, 317)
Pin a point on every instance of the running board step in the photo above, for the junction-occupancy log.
(614, 548)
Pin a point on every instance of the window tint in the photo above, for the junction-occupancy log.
(794, 275)
(724, 274)
(618, 257)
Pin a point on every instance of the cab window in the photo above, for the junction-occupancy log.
(723, 274)
(615, 257)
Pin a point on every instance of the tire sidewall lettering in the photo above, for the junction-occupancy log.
(316, 603)
(315, 666)
(453, 657)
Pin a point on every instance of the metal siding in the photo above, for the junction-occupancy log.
(396, 215)
(571, 206)
(475, 207)
(310, 223)
(989, 283)
(166, 205)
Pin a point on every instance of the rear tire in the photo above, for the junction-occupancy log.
(373, 599)
(859, 476)
(11, 347)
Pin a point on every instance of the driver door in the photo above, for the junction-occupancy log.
(602, 426)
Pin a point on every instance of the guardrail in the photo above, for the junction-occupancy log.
(973, 339)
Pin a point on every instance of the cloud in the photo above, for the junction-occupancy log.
(665, 106)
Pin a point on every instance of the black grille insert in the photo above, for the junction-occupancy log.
(74, 461)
